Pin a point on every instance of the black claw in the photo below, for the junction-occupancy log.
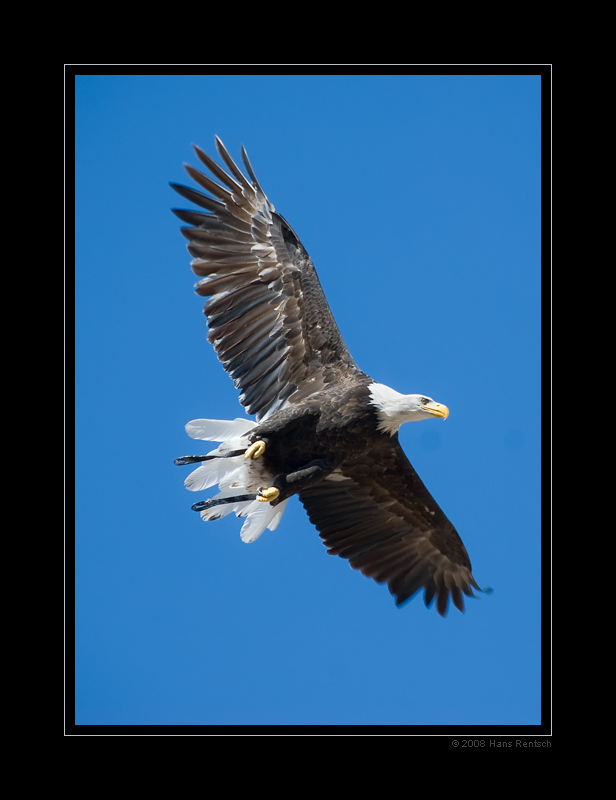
(195, 459)
(190, 460)
(202, 505)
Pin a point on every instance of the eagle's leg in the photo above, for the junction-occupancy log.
(256, 449)
(293, 482)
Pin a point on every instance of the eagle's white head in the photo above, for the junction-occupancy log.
(393, 408)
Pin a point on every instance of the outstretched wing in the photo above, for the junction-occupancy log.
(269, 321)
(375, 511)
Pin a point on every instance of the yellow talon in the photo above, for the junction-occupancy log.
(255, 450)
(267, 495)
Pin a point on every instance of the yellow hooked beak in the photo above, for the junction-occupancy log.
(437, 409)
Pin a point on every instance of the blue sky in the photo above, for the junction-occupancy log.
(418, 199)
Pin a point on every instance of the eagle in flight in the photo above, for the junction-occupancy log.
(323, 429)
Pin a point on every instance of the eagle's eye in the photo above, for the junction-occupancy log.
(424, 400)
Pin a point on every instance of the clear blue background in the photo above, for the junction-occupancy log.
(418, 199)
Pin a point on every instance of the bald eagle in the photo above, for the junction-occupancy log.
(324, 430)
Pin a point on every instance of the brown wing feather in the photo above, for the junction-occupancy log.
(376, 512)
(269, 321)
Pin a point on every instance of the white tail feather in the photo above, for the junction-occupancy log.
(234, 475)
(211, 473)
(260, 516)
(218, 430)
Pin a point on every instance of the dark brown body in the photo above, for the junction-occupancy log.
(318, 435)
